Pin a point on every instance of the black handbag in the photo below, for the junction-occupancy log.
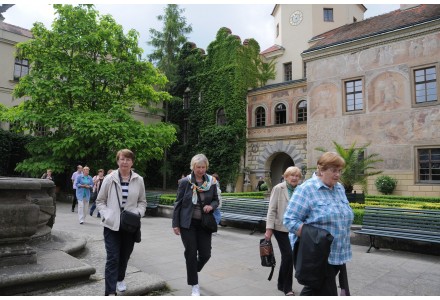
(129, 222)
(208, 222)
(267, 256)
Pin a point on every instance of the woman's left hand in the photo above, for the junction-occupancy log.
(207, 208)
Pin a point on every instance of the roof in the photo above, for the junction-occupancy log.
(15, 29)
(280, 84)
(388, 22)
(272, 49)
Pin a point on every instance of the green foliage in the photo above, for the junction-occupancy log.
(87, 76)
(12, 151)
(385, 184)
(264, 187)
(357, 166)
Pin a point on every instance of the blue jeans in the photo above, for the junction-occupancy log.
(92, 209)
(119, 246)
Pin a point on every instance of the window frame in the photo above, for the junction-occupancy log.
(19, 62)
(417, 168)
(297, 112)
(414, 102)
(257, 118)
(345, 98)
(220, 117)
(287, 71)
(326, 17)
(276, 119)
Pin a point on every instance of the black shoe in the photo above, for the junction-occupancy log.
(98, 216)
(91, 214)
(73, 210)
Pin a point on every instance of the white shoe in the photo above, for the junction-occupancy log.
(121, 286)
(195, 290)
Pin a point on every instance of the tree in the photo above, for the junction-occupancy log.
(167, 46)
(357, 165)
(86, 78)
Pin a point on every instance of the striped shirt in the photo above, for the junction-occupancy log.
(124, 186)
(315, 204)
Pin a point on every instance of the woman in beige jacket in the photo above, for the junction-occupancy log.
(279, 199)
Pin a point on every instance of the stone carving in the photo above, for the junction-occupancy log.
(323, 101)
(386, 92)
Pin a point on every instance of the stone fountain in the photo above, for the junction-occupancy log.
(31, 256)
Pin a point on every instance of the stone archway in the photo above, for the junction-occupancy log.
(281, 150)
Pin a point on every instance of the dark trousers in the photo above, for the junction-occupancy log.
(92, 209)
(197, 243)
(119, 246)
(285, 275)
(75, 200)
(328, 287)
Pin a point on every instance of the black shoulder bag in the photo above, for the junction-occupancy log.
(130, 222)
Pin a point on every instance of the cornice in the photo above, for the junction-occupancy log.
(372, 41)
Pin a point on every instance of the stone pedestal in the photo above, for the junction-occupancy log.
(25, 209)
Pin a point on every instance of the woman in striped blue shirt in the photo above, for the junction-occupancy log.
(321, 202)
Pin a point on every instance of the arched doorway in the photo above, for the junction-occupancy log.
(280, 163)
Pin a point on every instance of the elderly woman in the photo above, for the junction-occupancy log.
(321, 203)
(84, 185)
(122, 189)
(196, 195)
(279, 199)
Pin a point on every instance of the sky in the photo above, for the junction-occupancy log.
(245, 19)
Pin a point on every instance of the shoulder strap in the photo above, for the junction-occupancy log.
(117, 195)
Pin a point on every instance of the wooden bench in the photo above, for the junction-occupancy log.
(410, 224)
(244, 210)
(153, 200)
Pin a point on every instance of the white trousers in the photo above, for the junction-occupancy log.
(83, 209)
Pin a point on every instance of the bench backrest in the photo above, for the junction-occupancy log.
(402, 220)
(245, 206)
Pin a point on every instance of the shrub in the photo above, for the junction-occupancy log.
(385, 184)
(263, 187)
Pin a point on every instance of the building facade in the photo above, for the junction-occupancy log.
(371, 80)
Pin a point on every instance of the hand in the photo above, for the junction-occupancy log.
(207, 208)
(268, 234)
(176, 230)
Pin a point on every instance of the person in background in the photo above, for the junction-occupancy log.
(75, 174)
(122, 187)
(279, 199)
(197, 194)
(84, 186)
(48, 175)
(217, 213)
(260, 182)
(321, 203)
(97, 181)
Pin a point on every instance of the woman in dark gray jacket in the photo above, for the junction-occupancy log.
(197, 194)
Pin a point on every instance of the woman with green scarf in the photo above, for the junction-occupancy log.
(196, 194)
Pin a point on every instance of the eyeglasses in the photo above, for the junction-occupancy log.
(125, 159)
(336, 171)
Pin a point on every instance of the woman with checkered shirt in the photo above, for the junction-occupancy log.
(321, 202)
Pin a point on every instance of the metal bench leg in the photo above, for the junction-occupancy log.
(372, 243)
(253, 230)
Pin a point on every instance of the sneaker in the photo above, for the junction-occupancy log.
(81, 222)
(195, 290)
(121, 286)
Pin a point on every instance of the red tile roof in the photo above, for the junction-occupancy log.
(396, 19)
(15, 29)
(272, 49)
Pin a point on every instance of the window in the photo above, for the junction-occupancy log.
(425, 85)
(328, 14)
(280, 114)
(21, 68)
(260, 117)
(353, 95)
(186, 99)
(221, 117)
(278, 30)
(288, 71)
(354, 20)
(301, 111)
(185, 130)
(40, 130)
(429, 165)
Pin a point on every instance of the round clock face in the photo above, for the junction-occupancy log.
(296, 18)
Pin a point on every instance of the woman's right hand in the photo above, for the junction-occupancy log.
(176, 230)
(268, 234)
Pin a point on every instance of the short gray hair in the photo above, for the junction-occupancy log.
(198, 159)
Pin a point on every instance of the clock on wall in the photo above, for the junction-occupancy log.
(296, 18)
